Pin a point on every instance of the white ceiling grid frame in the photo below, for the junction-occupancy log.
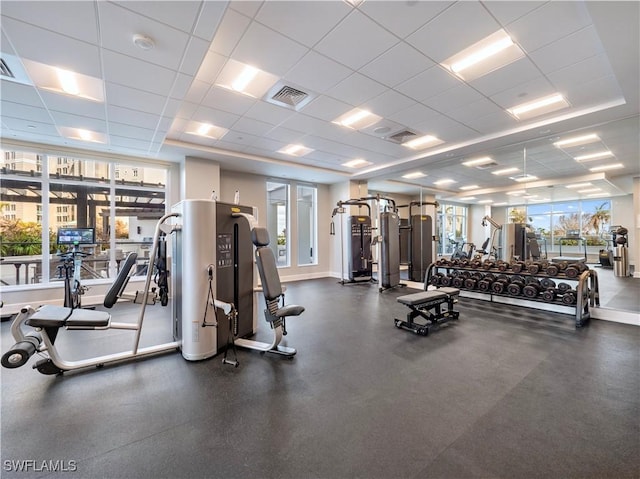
(403, 18)
(397, 65)
(316, 72)
(356, 89)
(429, 83)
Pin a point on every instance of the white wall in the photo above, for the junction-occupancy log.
(623, 213)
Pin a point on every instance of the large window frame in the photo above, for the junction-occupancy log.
(278, 220)
(72, 191)
(451, 226)
(307, 224)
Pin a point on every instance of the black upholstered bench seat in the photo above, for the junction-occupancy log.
(49, 316)
(420, 298)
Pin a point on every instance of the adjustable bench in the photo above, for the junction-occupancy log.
(428, 305)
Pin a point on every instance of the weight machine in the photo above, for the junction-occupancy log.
(418, 240)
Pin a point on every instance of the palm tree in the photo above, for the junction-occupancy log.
(600, 217)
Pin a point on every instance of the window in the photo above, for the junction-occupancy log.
(84, 197)
(278, 220)
(452, 227)
(307, 228)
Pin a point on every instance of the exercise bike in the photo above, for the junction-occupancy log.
(70, 270)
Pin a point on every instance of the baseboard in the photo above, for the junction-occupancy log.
(301, 277)
(615, 316)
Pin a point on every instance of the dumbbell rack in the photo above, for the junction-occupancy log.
(586, 291)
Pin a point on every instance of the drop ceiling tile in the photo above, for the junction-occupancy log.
(549, 23)
(429, 83)
(492, 123)
(594, 92)
(269, 113)
(130, 143)
(569, 78)
(131, 98)
(56, 17)
(179, 14)
(210, 67)
(305, 22)
(130, 131)
(355, 52)
(197, 91)
(78, 106)
(229, 32)
(568, 50)
(228, 100)
(215, 117)
(252, 127)
(507, 12)
(476, 109)
(326, 108)
(209, 19)
(265, 146)
(387, 104)
(317, 72)
(514, 74)
(70, 54)
(453, 98)
(403, 18)
(26, 127)
(75, 121)
(134, 73)
(414, 114)
(396, 65)
(447, 129)
(248, 8)
(26, 112)
(457, 18)
(118, 25)
(285, 135)
(192, 59)
(25, 94)
(356, 89)
(524, 92)
(268, 50)
(132, 117)
(181, 86)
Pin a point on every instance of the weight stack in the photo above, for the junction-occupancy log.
(389, 250)
(359, 248)
(421, 240)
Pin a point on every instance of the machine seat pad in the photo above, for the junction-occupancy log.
(450, 291)
(289, 310)
(57, 316)
(569, 259)
(417, 299)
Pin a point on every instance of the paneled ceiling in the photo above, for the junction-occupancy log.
(380, 56)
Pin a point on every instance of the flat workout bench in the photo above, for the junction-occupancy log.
(428, 305)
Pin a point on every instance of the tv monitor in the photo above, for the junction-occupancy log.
(75, 236)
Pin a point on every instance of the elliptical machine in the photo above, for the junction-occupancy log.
(605, 256)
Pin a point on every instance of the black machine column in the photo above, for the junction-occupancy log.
(420, 246)
(359, 248)
(389, 263)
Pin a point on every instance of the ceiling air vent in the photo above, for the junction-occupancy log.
(5, 71)
(486, 166)
(402, 136)
(288, 96)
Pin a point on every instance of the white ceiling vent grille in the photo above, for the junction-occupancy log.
(288, 96)
(402, 136)
(5, 71)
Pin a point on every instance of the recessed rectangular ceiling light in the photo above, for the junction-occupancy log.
(467, 198)
(505, 171)
(524, 178)
(590, 190)
(469, 187)
(245, 79)
(295, 150)
(540, 106)
(478, 161)
(540, 200)
(579, 185)
(485, 202)
(67, 82)
(444, 181)
(594, 156)
(485, 56)
(502, 203)
(357, 119)
(612, 166)
(516, 192)
(206, 130)
(357, 163)
(82, 134)
(577, 141)
(414, 175)
(421, 142)
(594, 195)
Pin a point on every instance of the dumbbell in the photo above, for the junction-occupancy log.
(547, 283)
(532, 290)
(488, 264)
(446, 280)
(536, 267)
(576, 269)
(442, 262)
(553, 269)
(518, 266)
(472, 281)
(499, 286)
(485, 283)
(475, 263)
(550, 293)
(458, 281)
(516, 285)
(569, 298)
(436, 279)
(503, 265)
